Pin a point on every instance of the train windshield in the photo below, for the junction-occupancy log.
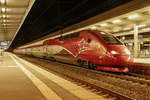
(111, 40)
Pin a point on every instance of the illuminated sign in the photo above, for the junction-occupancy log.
(3, 44)
(140, 37)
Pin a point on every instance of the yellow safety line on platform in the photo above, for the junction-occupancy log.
(80, 92)
(45, 90)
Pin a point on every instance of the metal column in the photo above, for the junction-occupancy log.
(135, 41)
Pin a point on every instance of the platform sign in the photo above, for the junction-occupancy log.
(140, 37)
(3, 44)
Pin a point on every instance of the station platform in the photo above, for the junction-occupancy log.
(142, 60)
(21, 80)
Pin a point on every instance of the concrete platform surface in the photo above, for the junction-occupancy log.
(21, 80)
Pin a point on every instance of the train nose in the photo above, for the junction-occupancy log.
(121, 55)
(119, 50)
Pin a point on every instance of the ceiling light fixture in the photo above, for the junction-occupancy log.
(4, 21)
(127, 28)
(131, 31)
(123, 38)
(133, 16)
(4, 16)
(116, 21)
(93, 27)
(115, 30)
(2, 1)
(103, 24)
(146, 29)
(3, 9)
(142, 25)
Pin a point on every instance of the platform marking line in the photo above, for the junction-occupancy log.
(4, 66)
(12, 66)
(44, 89)
(71, 87)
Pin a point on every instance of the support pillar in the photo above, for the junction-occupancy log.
(136, 45)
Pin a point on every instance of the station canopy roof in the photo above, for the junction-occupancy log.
(116, 20)
(124, 24)
(12, 15)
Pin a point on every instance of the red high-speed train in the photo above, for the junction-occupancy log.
(91, 48)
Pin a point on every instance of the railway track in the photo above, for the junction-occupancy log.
(130, 83)
(97, 89)
(146, 77)
(137, 78)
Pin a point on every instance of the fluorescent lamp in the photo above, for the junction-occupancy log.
(103, 24)
(133, 16)
(4, 16)
(115, 30)
(123, 38)
(93, 27)
(146, 29)
(130, 44)
(142, 25)
(4, 20)
(3, 9)
(116, 21)
(127, 28)
(131, 31)
(2, 1)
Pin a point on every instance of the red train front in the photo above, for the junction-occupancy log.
(95, 49)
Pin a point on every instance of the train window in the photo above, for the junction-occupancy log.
(68, 37)
(111, 39)
(89, 40)
(60, 38)
(45, 42)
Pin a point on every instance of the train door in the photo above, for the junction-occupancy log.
(34, 51)
(45, 52)
(37, 52)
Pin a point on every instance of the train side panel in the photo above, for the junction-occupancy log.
(39, 51)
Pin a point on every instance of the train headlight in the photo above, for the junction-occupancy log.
(127, 52)
(114, 52)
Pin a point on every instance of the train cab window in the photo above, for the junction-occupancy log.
(68, 36)
(89, 40)
(45, 42)
(60, 38)
(111, 40)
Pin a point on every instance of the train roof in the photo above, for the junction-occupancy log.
(89, 30)
(100, 32)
